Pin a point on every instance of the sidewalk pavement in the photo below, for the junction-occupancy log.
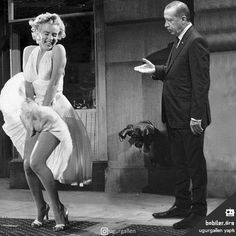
(111, 210)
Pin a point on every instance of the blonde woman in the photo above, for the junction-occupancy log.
(41, 122)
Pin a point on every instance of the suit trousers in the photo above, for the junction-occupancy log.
(190, 166)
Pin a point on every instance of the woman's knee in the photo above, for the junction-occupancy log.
(27, 167)
(36, 166)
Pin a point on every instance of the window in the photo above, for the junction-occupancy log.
(79, 81)
(25, 9)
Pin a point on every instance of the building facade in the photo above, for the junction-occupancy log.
(122, 33)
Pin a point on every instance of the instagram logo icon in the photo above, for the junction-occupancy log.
(104, 231)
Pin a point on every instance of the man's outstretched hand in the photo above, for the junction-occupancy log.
(146, 68)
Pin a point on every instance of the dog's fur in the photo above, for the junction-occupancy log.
(145, 136)
(141, 134)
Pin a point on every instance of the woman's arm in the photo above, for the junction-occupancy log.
(29, 90)
(58, 70)
(26, 53)
(28, 85)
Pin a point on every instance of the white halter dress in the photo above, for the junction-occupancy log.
(71, 160)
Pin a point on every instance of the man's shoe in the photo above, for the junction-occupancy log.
(173, 212)
(189, 222)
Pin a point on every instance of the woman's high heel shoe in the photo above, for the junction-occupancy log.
(62, 227)
(36, 223)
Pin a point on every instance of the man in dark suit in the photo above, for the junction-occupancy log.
(186, 112)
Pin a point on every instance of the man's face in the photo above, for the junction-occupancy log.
(174, 24)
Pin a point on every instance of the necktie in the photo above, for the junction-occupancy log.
(174, 48)
(177, 41)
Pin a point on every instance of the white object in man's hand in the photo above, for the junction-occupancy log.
(196, 126)
(146, 68)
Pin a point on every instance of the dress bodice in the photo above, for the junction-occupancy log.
(40, 77)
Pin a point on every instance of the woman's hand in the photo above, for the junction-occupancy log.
(146, 68)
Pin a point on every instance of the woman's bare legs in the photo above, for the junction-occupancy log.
(36, 190)
(43, 148)
(33, 180)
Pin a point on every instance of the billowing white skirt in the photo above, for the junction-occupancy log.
(71, 160)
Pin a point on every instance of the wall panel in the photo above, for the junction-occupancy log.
(125, 102)
(132, 42)
(220, 148)
(133, 10)
(203, 5)
(134, 29)
(217, 21)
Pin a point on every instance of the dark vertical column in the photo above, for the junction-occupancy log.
(5, 143)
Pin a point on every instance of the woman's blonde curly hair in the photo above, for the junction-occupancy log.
(44, 18)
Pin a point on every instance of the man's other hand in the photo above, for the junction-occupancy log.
(195, 126)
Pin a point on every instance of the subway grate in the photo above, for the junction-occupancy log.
(22, 227)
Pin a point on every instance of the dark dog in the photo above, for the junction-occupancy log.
(145, 136)
(141, 134)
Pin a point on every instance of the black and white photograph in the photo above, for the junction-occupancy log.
(117, 117)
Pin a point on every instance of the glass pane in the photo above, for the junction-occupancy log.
(31, 8)
(79, 82)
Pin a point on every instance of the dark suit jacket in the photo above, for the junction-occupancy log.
(186, 82)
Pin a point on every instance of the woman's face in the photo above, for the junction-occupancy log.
(48, 36)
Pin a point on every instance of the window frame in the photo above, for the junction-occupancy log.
(11, 18)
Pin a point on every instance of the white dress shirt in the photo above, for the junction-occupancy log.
(183, 33)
